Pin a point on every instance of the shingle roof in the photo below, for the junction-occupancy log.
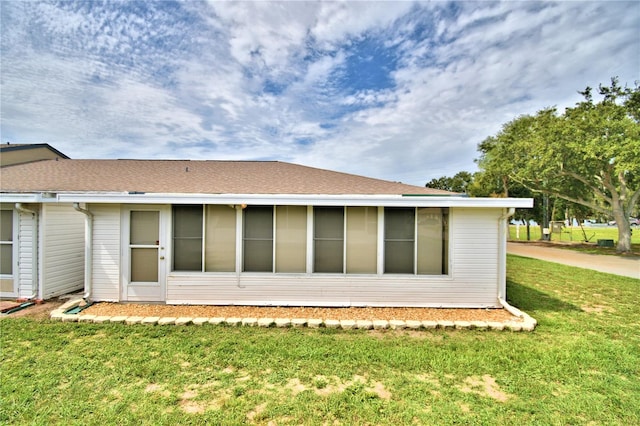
(193, 177)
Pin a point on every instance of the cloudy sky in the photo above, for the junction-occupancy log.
(395, 90)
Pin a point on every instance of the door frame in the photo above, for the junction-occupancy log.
(14, 277)
(142, 291)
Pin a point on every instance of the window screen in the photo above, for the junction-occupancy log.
(6, 242)
(328, 239)
(145, 228)
(291, 238)
(187, 238)
(399, 240)
(220, 239)
(431, 260)
(258, 239)
(362, 240)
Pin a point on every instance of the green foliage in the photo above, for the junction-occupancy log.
(587, 155)
(580, 366)
(487, 185)
(458, 183)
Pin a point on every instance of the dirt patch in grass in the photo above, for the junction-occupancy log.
(191, 407)
(295, 386)
(379, 389)
(251, 415)
(366, 313)
(484, 386)
(598, 309)
(210, 397)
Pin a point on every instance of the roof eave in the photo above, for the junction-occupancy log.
(389, 200)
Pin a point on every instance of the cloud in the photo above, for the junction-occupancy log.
(397, 90)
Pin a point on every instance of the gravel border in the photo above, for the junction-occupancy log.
(525, 322)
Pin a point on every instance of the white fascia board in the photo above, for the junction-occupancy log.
(19, 198)
(297, 200)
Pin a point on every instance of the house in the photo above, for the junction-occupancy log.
(26, 153)
(251, 233)
(39, 243)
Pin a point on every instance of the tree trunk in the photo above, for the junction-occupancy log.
(624, 228)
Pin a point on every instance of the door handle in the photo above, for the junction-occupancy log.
(161, 257)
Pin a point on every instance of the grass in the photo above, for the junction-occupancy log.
(575, 236)
(581, 365)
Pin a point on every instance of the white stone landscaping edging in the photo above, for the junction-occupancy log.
(527, 323)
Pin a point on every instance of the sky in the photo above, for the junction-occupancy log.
(402, 91)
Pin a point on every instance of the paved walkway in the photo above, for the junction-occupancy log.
(628, 267)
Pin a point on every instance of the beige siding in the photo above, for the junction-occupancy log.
(106, 252)
(62, 250)
(26, 156)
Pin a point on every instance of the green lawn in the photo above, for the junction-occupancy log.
(573, 238)
(580, 366)
(574, 234)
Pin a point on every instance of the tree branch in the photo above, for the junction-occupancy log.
(595, 189)
(633, 200)
(572, 199)
(607, 182)
(623, 186)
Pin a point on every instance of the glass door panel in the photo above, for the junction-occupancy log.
(144, 243)
(144, 265)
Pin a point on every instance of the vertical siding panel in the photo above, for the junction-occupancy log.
(63, 250)
(475, 251)
(26, 260)
(106, 252)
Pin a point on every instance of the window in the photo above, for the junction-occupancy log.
(258, 239)
(399, 240)
(220, 239)
(6, 242)
(416, 241)
(432, 241)
(362, 240)
(328, 239)
(274, 239)
(291, 239)
(187, 238)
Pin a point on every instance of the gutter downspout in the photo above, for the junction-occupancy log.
(503, 226)
(88, 250)
(35, 260)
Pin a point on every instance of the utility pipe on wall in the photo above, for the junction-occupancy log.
(35, 258)
(88, 250)
(503, 225)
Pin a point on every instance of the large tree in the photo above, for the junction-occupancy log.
(589, 155)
